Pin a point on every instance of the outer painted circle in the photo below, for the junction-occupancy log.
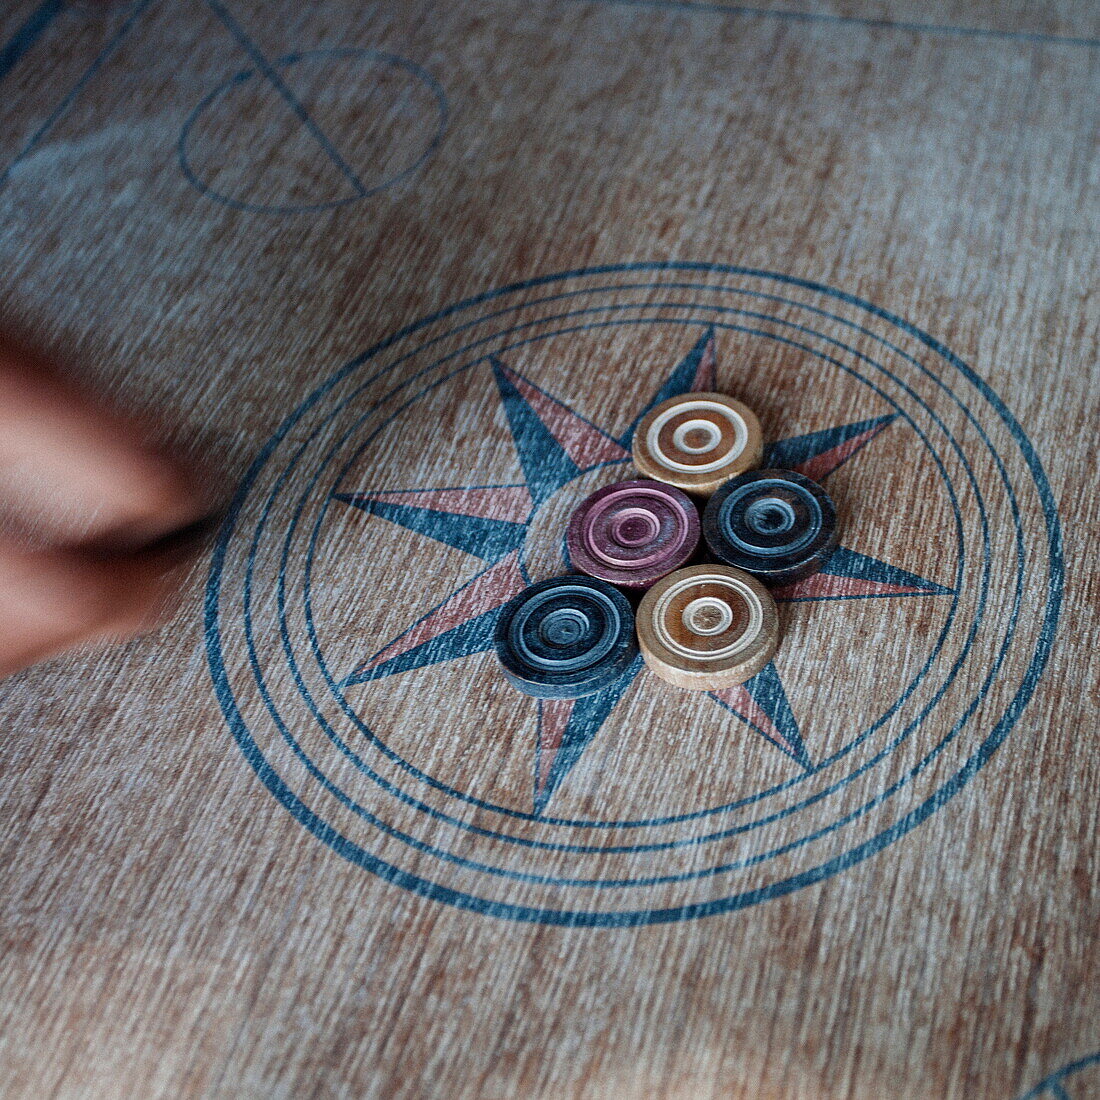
(664, 274)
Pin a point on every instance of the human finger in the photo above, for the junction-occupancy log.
(73, 471)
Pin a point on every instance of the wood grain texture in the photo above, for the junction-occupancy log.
(173, 226)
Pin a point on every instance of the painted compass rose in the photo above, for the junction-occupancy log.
(381, 529)
(557, 448)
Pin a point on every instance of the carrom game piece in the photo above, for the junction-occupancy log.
(697, 441)
(707, 628)
(566, 638)
(777, 525)
(633, 532)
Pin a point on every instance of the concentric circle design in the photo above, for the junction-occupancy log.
(707, 616)
(566, 638)
(696, 441)
(633, 532)
(425, 776)
(707, 627)
(776, 524)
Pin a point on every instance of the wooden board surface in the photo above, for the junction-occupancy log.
(370, 259)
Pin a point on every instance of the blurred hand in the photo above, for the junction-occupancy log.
(88, 509)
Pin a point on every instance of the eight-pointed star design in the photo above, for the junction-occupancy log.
(556, 445)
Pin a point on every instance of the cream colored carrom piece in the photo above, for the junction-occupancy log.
(707, 627)
(697, 441)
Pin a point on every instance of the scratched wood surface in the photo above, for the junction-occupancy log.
(266, 852)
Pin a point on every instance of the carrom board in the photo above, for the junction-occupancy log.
(402, 278)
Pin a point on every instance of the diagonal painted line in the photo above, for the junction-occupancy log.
(268, 70)
(857, 21)
(77, 88)
(27, 35)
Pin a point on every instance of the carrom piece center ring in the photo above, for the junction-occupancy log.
(730, 622)
(564, 627)
(635, 527)
(770, 517)
(547, 636)
(707, 616)
(698, 437)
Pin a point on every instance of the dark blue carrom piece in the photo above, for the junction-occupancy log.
(777, 525)
(566, 638)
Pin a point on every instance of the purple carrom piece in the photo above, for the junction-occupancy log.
(633, 532)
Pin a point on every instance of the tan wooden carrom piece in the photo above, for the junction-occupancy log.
(697, 441)
(404, 278)
(707, 628)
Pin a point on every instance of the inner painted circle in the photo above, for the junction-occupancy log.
(549, 515)
(707, 615)
(696, 437)
(635, 527)
(770, 516)
(564, 627)
(459, 794)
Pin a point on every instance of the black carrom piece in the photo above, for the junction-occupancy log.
(775, 524)
(566, 637)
